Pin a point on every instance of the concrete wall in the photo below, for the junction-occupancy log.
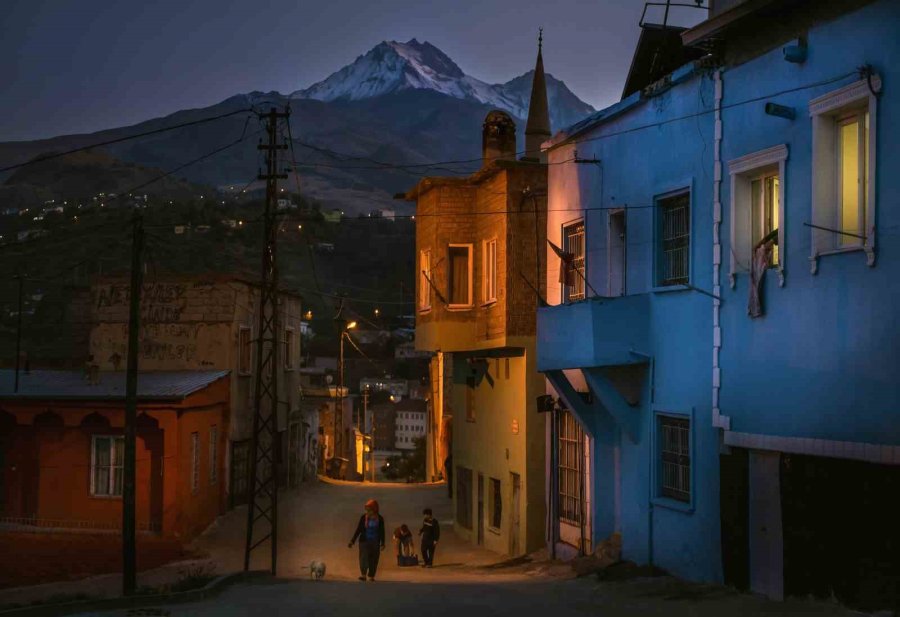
(505, 437)
(644, 153)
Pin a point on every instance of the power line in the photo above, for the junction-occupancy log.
(110, 142)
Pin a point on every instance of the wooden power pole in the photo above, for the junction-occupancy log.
(129, 552)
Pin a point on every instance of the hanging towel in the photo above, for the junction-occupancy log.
(758, 265)
(566, 265)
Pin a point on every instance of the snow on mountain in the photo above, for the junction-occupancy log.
(392, 67)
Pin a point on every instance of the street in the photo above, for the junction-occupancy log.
(317, 523)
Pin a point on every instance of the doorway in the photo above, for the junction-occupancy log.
(514, 521)
(480, 509)
(616, 246)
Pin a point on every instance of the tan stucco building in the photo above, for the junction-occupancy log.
(204, 323)
(478, 240)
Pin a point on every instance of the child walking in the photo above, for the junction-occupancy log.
(431, 533)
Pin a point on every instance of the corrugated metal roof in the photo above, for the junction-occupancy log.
(160, 385)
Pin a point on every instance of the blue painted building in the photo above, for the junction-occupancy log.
(627, 343)
(806, 392)
(723, 337)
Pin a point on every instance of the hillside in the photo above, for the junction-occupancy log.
(82, 176)
(372, 262)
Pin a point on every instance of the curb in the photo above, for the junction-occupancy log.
(211, 589)
(335, 482)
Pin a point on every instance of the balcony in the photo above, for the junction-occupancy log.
(594, 332)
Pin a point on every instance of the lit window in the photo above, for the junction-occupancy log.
(674, 457)
(107, 464)
(489, 271)
(425, 280)
(764, 197)
(460, 275)
(674, 240)
(852, 161)
(843, 170)
(757, 209)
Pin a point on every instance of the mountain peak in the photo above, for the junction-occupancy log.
(392, 66)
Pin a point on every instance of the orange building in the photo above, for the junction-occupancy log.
(62, 450)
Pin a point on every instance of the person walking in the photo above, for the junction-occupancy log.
(370, 532)
(431, 533)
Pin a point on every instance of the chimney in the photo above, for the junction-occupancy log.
(498, 138)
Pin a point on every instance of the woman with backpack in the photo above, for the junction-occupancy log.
(370, 532)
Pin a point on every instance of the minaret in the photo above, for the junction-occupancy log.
(537, 130)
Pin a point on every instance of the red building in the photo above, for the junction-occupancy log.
(62, 450)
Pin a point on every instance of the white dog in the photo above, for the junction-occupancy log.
(317, 570)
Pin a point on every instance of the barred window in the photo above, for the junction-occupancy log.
(674, 240)
(571, 442)
(674, 437)
(574, 243)
(195, 462)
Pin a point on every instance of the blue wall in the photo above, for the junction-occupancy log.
(823, 361)
(637, 167)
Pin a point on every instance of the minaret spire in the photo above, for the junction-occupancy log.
(537, 129)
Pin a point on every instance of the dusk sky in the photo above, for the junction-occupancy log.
(84, 65)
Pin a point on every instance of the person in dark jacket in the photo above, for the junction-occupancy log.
(370, 532)
(431, 533)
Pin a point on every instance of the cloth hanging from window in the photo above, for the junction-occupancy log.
(566, 265)
(758, 266)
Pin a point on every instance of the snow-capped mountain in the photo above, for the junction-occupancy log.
(391, 67)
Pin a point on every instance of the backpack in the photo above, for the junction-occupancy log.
(404, 561)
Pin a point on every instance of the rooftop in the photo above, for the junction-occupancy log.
(73, 385)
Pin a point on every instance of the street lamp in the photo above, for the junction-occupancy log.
(343, 327)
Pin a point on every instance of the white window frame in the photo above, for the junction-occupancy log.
(245, 370)
(289, 343)
(743, 171)
(195, 462)
(470, 304)
(113, 466)
(580, 281)
(213, 454)
(826, 111)
(489, 271)
(425, 271)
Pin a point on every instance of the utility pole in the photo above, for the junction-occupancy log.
(265, 451)
(129, 552)
(20, 280)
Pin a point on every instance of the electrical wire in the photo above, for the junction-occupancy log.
(110, 142)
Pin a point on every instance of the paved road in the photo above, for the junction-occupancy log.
(318, 522)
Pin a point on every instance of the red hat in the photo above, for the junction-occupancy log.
(373, 505)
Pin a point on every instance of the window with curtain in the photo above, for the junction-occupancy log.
(460, 270)
(764, 196)
(424, 284)
(107, 465)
